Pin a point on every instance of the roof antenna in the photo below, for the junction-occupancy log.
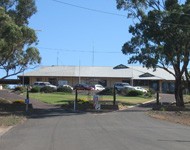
(57, 58)
(93, 55)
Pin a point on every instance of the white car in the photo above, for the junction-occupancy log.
(98, 87)
(138, 88)
(66, 85)
(43, 84)
(121, 85)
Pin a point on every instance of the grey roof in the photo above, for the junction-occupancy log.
(89, 71)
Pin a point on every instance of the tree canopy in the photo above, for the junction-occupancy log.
(17, 40)
(160, 36)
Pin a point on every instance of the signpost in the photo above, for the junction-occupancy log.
(121, 66)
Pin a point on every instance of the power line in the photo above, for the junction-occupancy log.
(78, 51)
(90, 9)
(120, 15)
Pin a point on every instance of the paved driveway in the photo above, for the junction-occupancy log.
(55, 129)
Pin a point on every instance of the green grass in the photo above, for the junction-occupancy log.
(63, 98)
(52, 98)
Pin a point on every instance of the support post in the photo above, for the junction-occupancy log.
(157, 98)
(114, 95)
(27, 101)
(75, 101)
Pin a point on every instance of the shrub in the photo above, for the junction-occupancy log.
(47, 89)
(82, 101)
(124, 91)
(20, 88)
(35, 89)
(82, 104)
(19, 102)
(148, 94)
(106, 91)
(151, 91)
(134, 93)
(5, 86)
(64, 89)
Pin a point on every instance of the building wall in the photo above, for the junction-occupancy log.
(108, 82)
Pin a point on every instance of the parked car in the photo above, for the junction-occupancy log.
(82, 87)
(44, 84)
(138, 88)
(98, 87)
(66, 85)
(121, 85)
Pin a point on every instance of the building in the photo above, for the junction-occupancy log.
(137, 76)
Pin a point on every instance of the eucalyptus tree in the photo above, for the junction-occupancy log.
(17, 39)
(160, 37)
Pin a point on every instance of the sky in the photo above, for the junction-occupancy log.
(70, 33)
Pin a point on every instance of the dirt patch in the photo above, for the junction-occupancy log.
(181, 117)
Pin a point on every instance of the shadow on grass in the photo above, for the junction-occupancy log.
(52, 112)
(67, 109)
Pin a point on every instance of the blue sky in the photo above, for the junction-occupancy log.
(68, 35)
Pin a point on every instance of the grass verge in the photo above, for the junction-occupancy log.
(64, 98)
(10, 116)
(11, 120)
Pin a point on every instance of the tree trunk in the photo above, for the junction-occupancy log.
(179, 92)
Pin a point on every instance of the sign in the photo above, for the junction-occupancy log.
(27, 101)
(97, 106)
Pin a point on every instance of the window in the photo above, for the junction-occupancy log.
(38, 79)
(53, 81)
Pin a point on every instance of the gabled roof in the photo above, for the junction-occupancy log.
(121, 66)
(146, 75)
(135, 72)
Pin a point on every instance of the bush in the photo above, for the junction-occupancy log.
(35, 89)
(47, 89)
(82, 104)
(64, 89)
(148, 94)
(20, 88)
(106, 91)
(124, 91)
(19, 102)
(134, 93)
(151, 91)
(82, 101)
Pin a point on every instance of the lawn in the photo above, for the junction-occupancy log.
(63, 98)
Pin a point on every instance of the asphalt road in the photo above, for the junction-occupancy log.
(127, 130)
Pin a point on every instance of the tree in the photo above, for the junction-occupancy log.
(160, 37)
(17, 40)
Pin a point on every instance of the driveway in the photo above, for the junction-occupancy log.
(132, 129)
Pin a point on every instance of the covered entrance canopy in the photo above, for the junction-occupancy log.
(10, 81)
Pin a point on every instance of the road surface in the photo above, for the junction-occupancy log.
(55, 129)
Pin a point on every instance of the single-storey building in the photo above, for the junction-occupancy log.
(136, 75)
